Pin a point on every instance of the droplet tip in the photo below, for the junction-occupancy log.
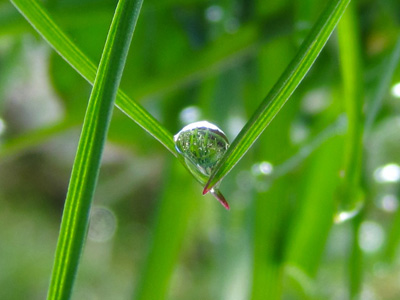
(206, 190)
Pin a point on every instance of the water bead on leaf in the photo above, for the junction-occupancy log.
(202, 145)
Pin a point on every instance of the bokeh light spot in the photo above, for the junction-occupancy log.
(103, 224)
(387, 173)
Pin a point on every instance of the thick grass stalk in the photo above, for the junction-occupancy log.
(282, 90)
(85, 171)
(350, 195)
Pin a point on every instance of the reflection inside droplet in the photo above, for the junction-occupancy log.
(396, 90)
(387, 173)
(103, 224)
(371, 236)
(202, 145)
(190, 114)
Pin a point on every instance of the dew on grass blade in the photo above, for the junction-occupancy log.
(349, 204)
(202, 145)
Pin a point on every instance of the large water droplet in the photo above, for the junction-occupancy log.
(202, 145)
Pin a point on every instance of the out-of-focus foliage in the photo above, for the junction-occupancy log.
(152, 236)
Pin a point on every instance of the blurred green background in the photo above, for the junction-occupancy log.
(152, 235)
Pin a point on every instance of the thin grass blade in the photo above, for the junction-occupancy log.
(282, 90)
(85, 171)
(36, 14)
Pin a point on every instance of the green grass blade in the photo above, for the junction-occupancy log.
(350, 198)
(282, 90)
(349, 193)
(388, 68)
(87, 161)
(35, 13)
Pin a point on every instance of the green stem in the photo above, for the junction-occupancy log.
(85, 171)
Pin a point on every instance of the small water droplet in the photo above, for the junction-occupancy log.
(202, 145)
(349, 205)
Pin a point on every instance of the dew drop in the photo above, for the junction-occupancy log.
(349, 206)
(202, 145)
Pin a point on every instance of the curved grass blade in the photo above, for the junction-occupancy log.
(35, 13)
(87, 161)
(282, 90)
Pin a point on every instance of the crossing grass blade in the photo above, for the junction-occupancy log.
(85, 170)
(39, 18)
(282, 90)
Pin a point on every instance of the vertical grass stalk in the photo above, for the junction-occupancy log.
(86, 166)
(350, 193)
